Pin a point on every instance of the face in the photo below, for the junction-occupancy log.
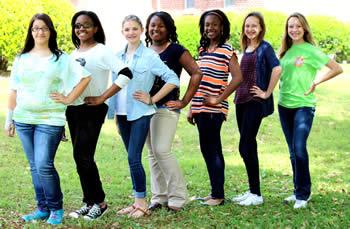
(212, 27)
(295, 30)
(132, 31)
(252, 28)
(157, 30)
(84, 28)
(40, 32)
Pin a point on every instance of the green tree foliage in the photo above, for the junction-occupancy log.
(330, 34)
(14, 21)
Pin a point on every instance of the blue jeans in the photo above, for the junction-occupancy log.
(40, 144)
(296, 124)
(134, 134)
(209, 127)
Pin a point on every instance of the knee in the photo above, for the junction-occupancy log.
(44, 168)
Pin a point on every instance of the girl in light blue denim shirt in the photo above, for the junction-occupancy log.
(133, 122)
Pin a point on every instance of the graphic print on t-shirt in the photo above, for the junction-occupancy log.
(82, 61)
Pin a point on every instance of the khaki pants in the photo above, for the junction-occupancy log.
(167, 182)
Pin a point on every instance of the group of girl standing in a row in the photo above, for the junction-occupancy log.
(44, 80)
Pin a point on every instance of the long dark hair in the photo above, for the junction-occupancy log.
(225, 35)
(169, 25)
(244, 38)
(99, 36)
(287, 42)
(29, 43)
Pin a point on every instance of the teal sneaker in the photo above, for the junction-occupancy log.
(36, 215)
(56, 217)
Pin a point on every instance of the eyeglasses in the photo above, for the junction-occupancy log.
(85, 26)
(43, 29)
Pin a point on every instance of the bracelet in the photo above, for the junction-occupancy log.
(8, 120)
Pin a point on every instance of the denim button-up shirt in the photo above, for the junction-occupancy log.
(145, 66)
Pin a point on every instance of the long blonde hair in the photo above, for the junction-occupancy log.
(287, 41)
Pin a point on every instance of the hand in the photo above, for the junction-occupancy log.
(9, 125)
(60, 98)
(211, 100)
(10, 131)
(93, 100)
(311, 89)
(175, 104)
(257, 92)
(143, 97)
(190, 118)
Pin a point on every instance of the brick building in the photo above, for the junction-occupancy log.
(198, 6)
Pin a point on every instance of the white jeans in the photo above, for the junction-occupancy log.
(167, 181)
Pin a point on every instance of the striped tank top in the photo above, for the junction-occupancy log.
(215, 68)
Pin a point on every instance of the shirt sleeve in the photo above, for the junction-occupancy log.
(14, 78)
(73, 74)
(271, 57)
(318, 59)
(111, 61)
(158, 68)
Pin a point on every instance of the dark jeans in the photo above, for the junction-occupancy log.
(40, 143)
(134, 134)
(249, 117)
(209, 127)
(85, 124)
(296, 124)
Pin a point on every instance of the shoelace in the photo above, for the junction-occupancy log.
(94, 211)
(83, 209)
(53, 215)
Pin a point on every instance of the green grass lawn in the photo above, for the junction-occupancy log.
(329, 149)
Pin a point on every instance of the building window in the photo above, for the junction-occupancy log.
(229, 3)
(189, 4)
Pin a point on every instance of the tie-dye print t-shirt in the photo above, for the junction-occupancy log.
(34, 78)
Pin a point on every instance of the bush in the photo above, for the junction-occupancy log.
(330, 34)
(14, 20)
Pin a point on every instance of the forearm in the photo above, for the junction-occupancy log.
(192, 87)
(275, 76)
(110, 92)
(12, 100)
(334, 70)
(78, 90)
(166, 89)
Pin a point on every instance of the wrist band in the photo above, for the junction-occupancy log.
(122, 80)
(8, 120)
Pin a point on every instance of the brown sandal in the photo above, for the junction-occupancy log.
(127, 210)
(145, 212)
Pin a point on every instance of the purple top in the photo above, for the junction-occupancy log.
(248, 69)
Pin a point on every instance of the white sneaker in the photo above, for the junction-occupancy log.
(241, 197)
(300, 204)
(252, 199)
(291, 198)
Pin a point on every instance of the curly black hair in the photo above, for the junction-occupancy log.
(169, 25)
(204, 41)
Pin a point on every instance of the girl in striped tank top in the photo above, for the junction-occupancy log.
(209, 106)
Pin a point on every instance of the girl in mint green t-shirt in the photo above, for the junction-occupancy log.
(300, 61)
(43, 81)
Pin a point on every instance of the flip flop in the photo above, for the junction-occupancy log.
(145, 212)
(127, 210)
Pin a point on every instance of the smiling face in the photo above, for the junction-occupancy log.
(40, 32)
(252, 28)
(212, 27)
(157, 30)
(132, 31)
(84, 28)
(295, 30)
